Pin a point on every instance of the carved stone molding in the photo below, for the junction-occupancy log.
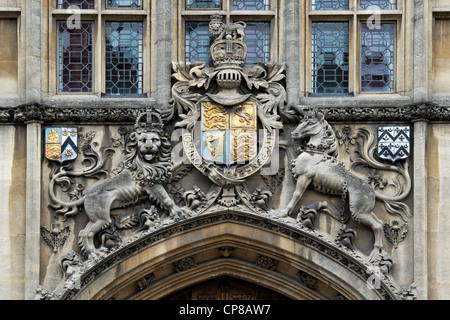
(267, 263)
(146, 281)
(52, 114)
(226, 251)
(56, 237)
(388, 289)
(306, 279)
(185, 264)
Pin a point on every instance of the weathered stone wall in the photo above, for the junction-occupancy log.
(438, 175)
(12, 212)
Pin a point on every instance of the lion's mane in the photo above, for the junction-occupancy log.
(158, 171)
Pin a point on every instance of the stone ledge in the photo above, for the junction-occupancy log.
(127, 114)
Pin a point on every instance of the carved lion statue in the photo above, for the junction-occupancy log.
(147, 165)
(220, 29)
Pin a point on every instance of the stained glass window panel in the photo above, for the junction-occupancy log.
(124, 3)
(203, 4)
(377, 58)
(330, 41)
(257, 39)
(330, 5)
(82, 4)
(198, 42)
(378, 4)
(75, 66)
(124, 58)
(251, 4)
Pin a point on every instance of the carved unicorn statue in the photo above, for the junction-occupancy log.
(318, 164)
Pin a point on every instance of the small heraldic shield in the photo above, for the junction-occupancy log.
(61, 143)
(394, 142)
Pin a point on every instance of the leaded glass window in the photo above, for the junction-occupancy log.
(378, 4)
(251, 4)
(330, 5)
(257, 39)
(82, 4)
(198, 42)
(75, 61)
(124, 58)
(203, 4)
(377, 58)
(124, 3)
(330, 45)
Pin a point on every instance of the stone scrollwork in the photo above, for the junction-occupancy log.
(402, 184)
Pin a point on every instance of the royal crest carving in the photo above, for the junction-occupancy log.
(319, 165)
(232, 107)
(146, 167)
(231, 119)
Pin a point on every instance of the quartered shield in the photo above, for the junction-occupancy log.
(394, 142)
(61, 143)
(229, 134)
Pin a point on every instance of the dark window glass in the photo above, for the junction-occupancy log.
(377, 58)
(378, 4)
(75, 66)
(203, 4)
(251, 5)
(124, 58)
(198, 42)
(257, 39)
(330, 4)
(82, 4)
(124, 3)
(330, 42)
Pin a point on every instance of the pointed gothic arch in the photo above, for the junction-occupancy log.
(296, 263)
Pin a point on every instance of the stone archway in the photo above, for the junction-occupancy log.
(226, 288)
(292, 262)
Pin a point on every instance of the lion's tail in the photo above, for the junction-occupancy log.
(66, 209)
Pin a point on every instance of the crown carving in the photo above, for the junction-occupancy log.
(229, 49)
(149, 121)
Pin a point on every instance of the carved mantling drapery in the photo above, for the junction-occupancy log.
(136, 192)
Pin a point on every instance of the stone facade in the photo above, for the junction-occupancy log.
(187, 217)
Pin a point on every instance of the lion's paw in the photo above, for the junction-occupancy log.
(180, 213)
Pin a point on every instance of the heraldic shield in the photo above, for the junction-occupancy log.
(229, 135)
(394, 142)
(61, 143)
